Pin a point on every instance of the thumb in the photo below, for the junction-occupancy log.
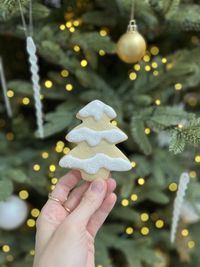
(90, 202)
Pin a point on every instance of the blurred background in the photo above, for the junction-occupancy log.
(157, 101)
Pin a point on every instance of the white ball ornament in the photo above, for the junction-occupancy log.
(13, 212)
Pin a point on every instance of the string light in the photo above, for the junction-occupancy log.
(99, 265)
(72, 29)
(129, 230)
(154, 50)
(36, 167)
(69, 87)
(76, 23)
(102, 52)
(32, 252)
(54, 180)
(147, 68)
(9, 258)
(52, 187)
(66, 150)
(141, 181)
(125, 202)
(114, 123)
(144, 217)
(164, 60)
(103, 32)
(25, 101)
(48, 84)
(191, 244)
(134, 197)
(64, 73)
(178, 86)
(155, 73)
(77, 48)
(23, 194)
(154, 65)
(45, 155)
(144, 230)
(146, 58)
(52, 168)
(147, 131)
(62, 27)
(193, 174)
(133, 164)
(31, 223)
(180, 126)
(10, 93)
(6, 248)
(35, 212)
(58, 149)
(60, 143)
(173, 187)
(84, 63)
(157, 102)
(137, 67)
(159, 224)
(68, 24)
(132, 76)
(197, 158)
(185, 232)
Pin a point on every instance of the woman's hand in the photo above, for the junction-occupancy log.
(64, 238)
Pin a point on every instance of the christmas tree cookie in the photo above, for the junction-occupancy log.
(96, 154)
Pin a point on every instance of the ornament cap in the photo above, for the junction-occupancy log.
(132, 26)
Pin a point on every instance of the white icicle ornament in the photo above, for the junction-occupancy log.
(96, 154)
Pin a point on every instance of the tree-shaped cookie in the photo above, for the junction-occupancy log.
(96, 154)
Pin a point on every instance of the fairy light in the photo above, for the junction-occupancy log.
(144, 230)
(134, 197)
(45, 155)
(32, 252)
(25, 101)
(157, 102)
(48, 84)
(103, 32)
(52, 168)
(69, 87)
(10, 93)
(64, 73)
(36, 167)
(35, 212)
(185, 232)
(144, 217)
(141, 181)
(62, 27)
(180, 126)
(52, 187)
(178, 86)
(193, 174)
(154, 50)
(146, 58)
(147, 68)
(164, 60)
(59, 149)
(31, 223)
(66, 150)
(129, 230)
(76, 23)
(154, 65)
(54, 180)
(197, 158)
(173, 187)
(72, 29)
(132, 76)
(147, 131)
(102, 52)
(133, 164)
(191, 244)
(195, 39)
(9, 258)
(159, 224)
(114, 123)
(125, 202)
(68, 24)
(99, 265)
(83, 63)
(60, 143)
(76, 48)
(23, 194)
(137, 67)
(155, 73)
(6, 248)
(10, 136)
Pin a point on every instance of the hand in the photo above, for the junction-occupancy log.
(65, 239)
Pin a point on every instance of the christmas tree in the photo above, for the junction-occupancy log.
(157, 102)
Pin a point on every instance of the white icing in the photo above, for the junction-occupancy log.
(93, 137)
(92, 165)
(96, 109)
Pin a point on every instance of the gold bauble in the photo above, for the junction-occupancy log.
(131, 47)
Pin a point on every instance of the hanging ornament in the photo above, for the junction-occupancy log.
(131, 46)
(13, 213)
(4, 88)
(34, 68)
(178, 203)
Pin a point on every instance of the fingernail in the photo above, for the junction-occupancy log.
(97, 186)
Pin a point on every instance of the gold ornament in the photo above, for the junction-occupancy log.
(131, 47)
